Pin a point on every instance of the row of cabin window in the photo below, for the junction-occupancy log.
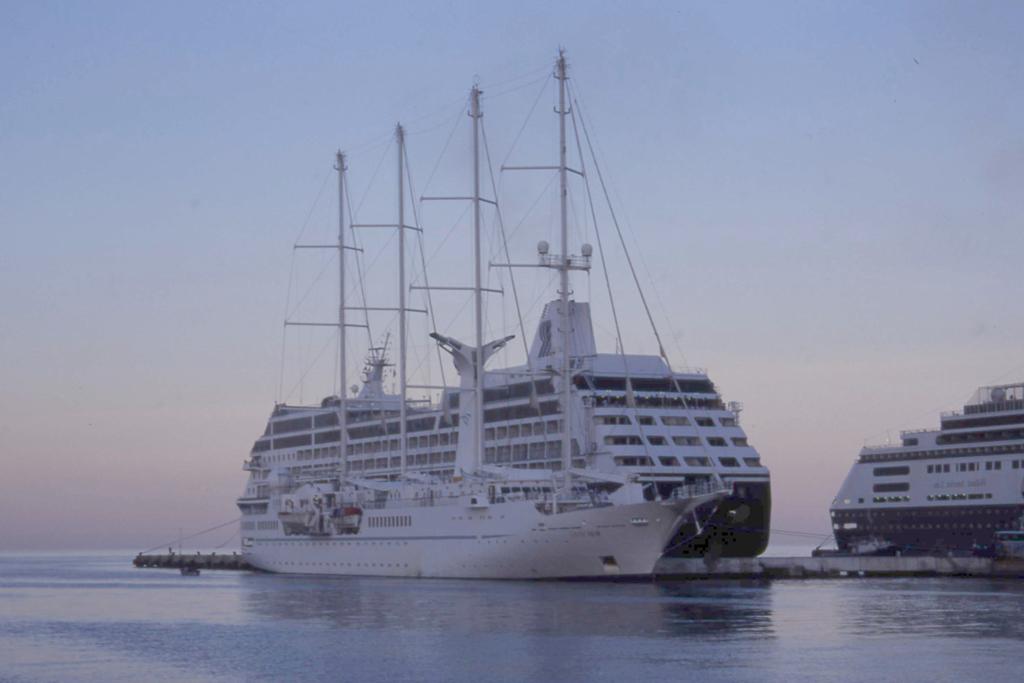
(446, 438)
(926, 513)
(265, 525)
(990, 465)
(946, 453)
(526, 429)
(417, 459)
(691, 461)
(995, 406)
(905, 526)
(442, 439)
(636, 440)
(648, 401)
(968, 437)
(303, 455)
(667, 420)
(934, 496)
(302, 424)
(959, 496)
(421, 424)
(389, 521)
(538, 450)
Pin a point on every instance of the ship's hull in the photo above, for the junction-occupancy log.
(509, 541)
(737, 526)
(924, 530)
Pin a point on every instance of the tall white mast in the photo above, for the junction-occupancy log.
(478, 296)
(564, 266)
(343, 379)
(402, 379)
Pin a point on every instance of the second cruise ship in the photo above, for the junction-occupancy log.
(940, 490)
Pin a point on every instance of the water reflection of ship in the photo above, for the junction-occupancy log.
(453, 606)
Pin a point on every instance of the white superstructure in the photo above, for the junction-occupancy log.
(575, 464)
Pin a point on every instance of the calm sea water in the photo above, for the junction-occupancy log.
(95, 618)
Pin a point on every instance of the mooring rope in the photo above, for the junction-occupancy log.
(186, 538)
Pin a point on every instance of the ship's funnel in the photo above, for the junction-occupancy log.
(546, 349)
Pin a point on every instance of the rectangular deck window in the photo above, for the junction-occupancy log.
(898, 471)
(891, 487)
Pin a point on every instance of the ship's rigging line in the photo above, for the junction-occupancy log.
(440, 157)
(291, 275)
(423, 265)
(908, 422)
(361, 266)
(504, 242)
(515, 141)
(185, 538)
(309, 368)
(289, 310)
(229, 539)
(577, 95)
(625, 250)
(360, 272)
(388, 138)
(630, 403)
(500, 224)
(543, 72)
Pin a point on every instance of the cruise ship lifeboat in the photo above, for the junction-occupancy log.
(347, 520)
(305, 513)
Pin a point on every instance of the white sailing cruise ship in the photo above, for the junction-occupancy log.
(574, 464)
(942, 490)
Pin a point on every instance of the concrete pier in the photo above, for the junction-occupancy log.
(198, 560)
(836, 566)
(674, 569)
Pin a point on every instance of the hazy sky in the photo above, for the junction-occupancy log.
(827, 201)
